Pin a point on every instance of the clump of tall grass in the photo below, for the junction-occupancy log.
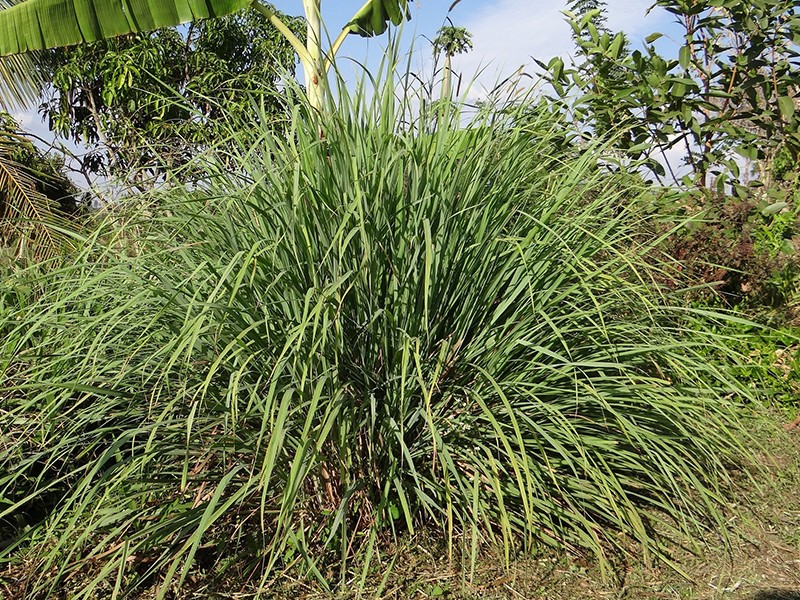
(380, 323)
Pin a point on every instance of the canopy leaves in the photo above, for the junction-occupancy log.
(40, 24)
(36, 199)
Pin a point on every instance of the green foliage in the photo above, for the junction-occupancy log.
(739, 251)
(374, 17)
(731, 89)
(451, 40)
(772, 365)
(20, 81)
(784, 167)
(397, 324)
(41, 24)
(36, 198)
(149, 102)
(603, 78)
(597, 10)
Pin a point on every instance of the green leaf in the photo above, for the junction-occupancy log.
(774, 209)
(375, 16)
(21, 81)
(653, 37)
(786, 105)
(639, 148)
(556, 67)
(617, 45)
(750, 152)
(40, 24)
(685, 56)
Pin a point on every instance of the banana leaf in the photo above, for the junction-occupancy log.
(40, 24)
(375, 16)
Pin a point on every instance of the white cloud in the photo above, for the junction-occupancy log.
(508, 34)
(631, 17)
(25, 119)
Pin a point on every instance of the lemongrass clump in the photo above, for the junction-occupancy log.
(403, 322)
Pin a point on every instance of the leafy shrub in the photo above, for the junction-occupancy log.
(742, 249)
(397, 324)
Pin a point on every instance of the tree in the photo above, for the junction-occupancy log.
(450, 40)
(598, 9)
(148, 102)
(601, 69)
(40, 24)
(741, 65)
(731, 89)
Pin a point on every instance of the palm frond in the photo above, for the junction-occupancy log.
(29, 220)
(21, 81)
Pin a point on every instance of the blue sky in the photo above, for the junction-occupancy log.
(506, 33)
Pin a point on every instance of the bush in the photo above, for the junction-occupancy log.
(741, 251)
(397, 324)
